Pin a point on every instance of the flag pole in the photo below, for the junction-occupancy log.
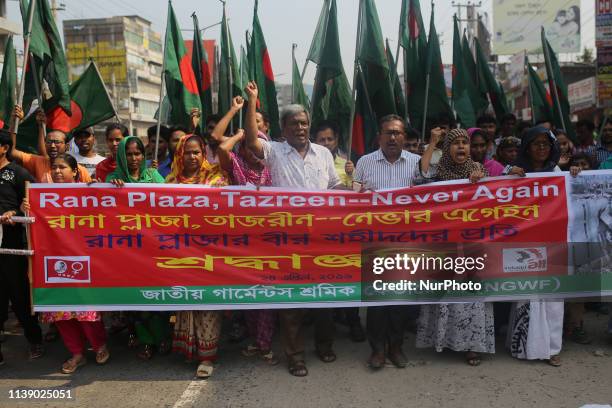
(38, 90)
(106, 90)
(241, 84)
(229, 64)
(293, 47)
(529, 89)
(355, 73)
(26, 52)
(161, 90)
(551, 79)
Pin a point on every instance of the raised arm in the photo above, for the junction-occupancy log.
(218, 133)
(252, 140)
(17, 116)
(436, 134)
(41, 121)
(225, 149)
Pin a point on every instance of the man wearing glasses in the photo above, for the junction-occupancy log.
(54, 144)
(388, 167)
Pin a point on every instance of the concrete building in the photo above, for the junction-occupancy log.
(7, 27)
(129, 55)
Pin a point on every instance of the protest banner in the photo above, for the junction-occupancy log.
(173, 247)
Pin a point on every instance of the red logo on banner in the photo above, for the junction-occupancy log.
(66, 269)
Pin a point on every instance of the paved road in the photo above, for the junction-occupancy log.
(432, 380)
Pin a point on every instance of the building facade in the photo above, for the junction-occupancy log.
(129, 55)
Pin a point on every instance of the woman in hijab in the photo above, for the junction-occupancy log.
(150, 329)
(536, 327)
(464, 327)
(196, 332)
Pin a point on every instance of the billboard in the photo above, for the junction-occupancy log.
(603, 23)
(604, 77)
(516, 25)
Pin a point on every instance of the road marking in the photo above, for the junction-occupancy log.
(191, 394)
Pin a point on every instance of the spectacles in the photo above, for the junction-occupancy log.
(55, 142)
(544, 145)
(395, 133)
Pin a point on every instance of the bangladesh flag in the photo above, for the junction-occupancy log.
(318, 40)
(398, 93)
(201, 70)
(437, 99)
(331, 97)
(47, 58)
(560, 106)
(414, 44)
(464, 90)
(89, 105)
(373, 62)
(480, 100)
(540, 101)
(493, 88)
(263, 75)
(244, 70)
(8, 84)
(181, 84)
(365, 126)
(229, 75)
(298, 94)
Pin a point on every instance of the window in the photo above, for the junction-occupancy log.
(133, 38)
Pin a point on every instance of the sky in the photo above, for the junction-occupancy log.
(284, 22)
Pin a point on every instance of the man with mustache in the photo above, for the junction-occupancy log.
(389, 167)
(297, 163)
(54, 144)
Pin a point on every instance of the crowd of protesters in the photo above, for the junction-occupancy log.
(308, 159)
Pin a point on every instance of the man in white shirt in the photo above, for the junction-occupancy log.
(86, 156)
(388, 167)
(296, 163)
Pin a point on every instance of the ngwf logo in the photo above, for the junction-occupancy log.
(525, 259)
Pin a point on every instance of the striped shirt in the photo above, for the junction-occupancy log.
(376, 173)
(315, 171)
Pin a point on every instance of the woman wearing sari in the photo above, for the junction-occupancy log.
(464, 327)
(196, 332)
(151, 329)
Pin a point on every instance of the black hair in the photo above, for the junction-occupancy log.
(412, 133)
(391, 118)
(138, 143)
(327, 124)
(264, 115)
(6, 140)
(114, 126)
(485, 119)
(583, 156)
(480, 133)
(164, 132)
(212, 118)
(443, 118)
(521, 127)
(179, 128)
(71, 161)
(82, 132)
(585, 122)
(506, 117)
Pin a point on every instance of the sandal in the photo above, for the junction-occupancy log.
(102, 355)
(327, 356)
(473, 359)
(298, 369)
(205, 369)
(36, 351)
(250, 351)
(147, 352)
(268, 357)
(132, 341)
(555, 361)
(71, 365)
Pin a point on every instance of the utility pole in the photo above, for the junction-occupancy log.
(470, 19)
(55, 7)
